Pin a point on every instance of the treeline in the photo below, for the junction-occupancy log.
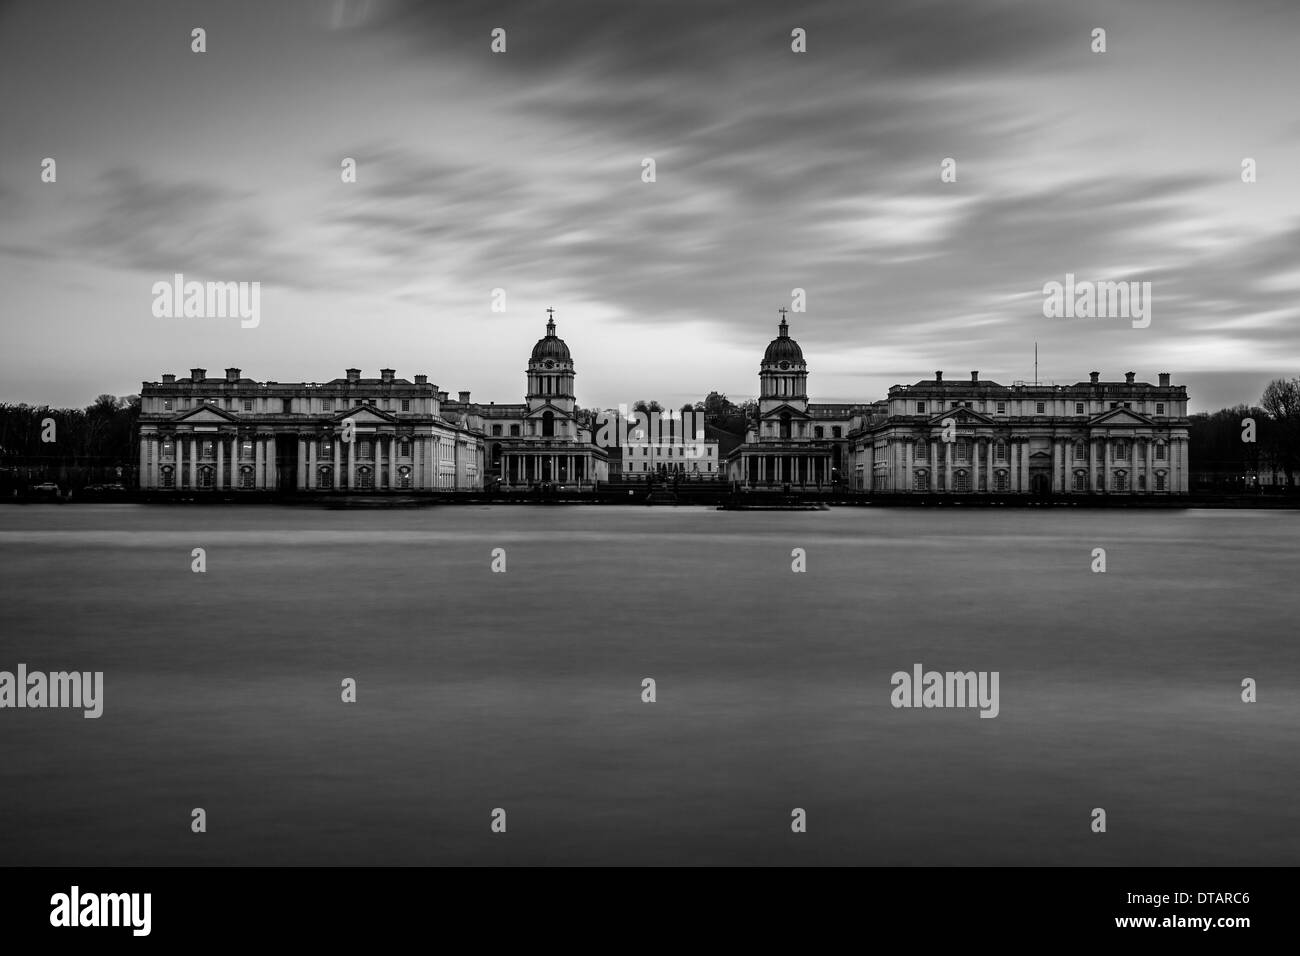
(1219, 442)
(69, 446)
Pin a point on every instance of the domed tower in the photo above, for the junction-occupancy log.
(550, 371)
(783, 376)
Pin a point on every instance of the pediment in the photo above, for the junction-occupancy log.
(962, 416)
(1121, 417)
(776, 413)
(365, 415)
(207, 414)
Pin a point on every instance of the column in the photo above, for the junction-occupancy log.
(143, 480)
(1092, 464)
(338, 464)
(909, 462)
(179, 463)
(976, 444)
(257, 463)
(269, 458)
(430, 462)
(221, 462)
(194, 462)
(990, 447)
(947, 466)
(155, 449)
(352, 463)
(1105, 464)
(302, 463)
(1151, 469)
(311, 463)
(379, 462)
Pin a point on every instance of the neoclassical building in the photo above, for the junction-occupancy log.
(966, 437)
(976, 436)
(543, 440)
(792, 441)
(238, 434)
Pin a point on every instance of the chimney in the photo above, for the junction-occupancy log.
(386, 374)
(442, 396)
(421, 380)
(232, 374)
(975, 377)
(1095, 377)
(1129, 376)
(169, 379)
(938, 376)
(198, 374)
(464, 398)
(354, 374)
(1164, 379)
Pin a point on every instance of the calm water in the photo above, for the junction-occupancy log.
(522, 690)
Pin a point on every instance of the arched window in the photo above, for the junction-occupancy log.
(1001, 481)
(365, 478)
(207, 477)
(921, 480)
(168, 476)
(962, 480)
(324, 478)
(1081, 481)
(246, 476)
(404, 477)
(548, 425)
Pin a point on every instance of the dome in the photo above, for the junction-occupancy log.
(783, 348)
(552, 347)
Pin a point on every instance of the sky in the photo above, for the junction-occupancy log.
(774, 171)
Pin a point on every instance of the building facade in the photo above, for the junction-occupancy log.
(966, 437)
(543, 441)
(346, 435)
(976, 436)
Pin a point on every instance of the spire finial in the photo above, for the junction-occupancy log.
(783, 327)
(550, 321)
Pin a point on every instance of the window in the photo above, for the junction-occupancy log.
(286, 405)
(1160, 481)
(1000, 451)
(325, 478)
(404, 477)
(167, 404)
(817, 431)
(365, 478)
(1121, 451)
(1160, 452)
(327, 404)
(496, 431)
(1001, 481)
(230, 403)
(920, 408)
(1040, 407)
(207, 449)
(1080, 451)
(1002, 408)
(365, 448)
(406, 406)
(921, 481)
(514, 431)
(1114, 404)
(248, 404)
(206, 477)
(246, 476)
(1160, 408)
(357, 403)
(1128, 404)
(168, 476)
(968, 404)
(1080, 481)
(1121, 481)
(1078, 408)
(247, 446)
(962, 480)
(168, 449)
(922, 451)
(835, 431)
(963, 451)
(403, 449)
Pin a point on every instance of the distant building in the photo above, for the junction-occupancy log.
(237, 434)
(966, 437)
(543, 440)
